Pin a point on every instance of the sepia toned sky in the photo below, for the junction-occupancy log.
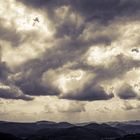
(70, 60)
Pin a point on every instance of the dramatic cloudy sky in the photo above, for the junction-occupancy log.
(69, 60)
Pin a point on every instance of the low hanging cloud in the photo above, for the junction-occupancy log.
(12, 92)
(8, 90)
(89, 93)
(66, 107)
(126, 92)
(129, 106)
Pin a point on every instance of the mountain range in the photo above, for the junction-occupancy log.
(47, 130)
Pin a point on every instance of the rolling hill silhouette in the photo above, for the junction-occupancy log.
(45, 130)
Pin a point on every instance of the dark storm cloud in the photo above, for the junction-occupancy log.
(101, 9)
(12, 92)
(72, 45)
(51, 4)
(8, 90)
(30, 82)
(86, 35)
(91, 11)
(9, 34)
(13, 36)
(68, 28)
(90, 92)
(4, 71)
(105, 10)
(32, 71)
(54, 58)
(120, 65)
(126, 92)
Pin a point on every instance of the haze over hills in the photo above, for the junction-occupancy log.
(44, 130)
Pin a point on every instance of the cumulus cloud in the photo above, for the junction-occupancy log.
(117, 66)
(129, 106)
(88, 93)
(8, 89)
(12, 92)
(85, 37)
(66, 107)
(127, 92)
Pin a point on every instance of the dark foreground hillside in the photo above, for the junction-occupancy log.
(5, 136)
(65, 131)
(130, 137)
(88, 132)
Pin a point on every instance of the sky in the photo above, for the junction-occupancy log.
(69, 60)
